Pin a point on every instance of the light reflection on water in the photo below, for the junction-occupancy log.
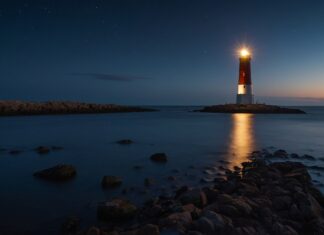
(242, 139)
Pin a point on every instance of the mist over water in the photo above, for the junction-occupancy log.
(192, 141)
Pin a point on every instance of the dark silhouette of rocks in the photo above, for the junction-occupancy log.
(116, 209)
(11, 108)
(109, 181)
(249, 108)
(57, 173)
(125, 142)
(159, 157)
(258, 198)
(42, 149)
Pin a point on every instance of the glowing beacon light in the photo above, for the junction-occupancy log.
(244, 94)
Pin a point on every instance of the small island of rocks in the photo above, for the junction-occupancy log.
(250, 108)
(15, 108)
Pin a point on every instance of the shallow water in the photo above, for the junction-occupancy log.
(192, 141)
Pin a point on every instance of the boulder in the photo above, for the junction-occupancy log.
(110, 181)
(159, 157)
(195, 196)
(42, 149)
(125, 142)
(149, 182)
(58, 172)
(149, 229)
(71, 225)
(93, 231)
(280, 154)
(116, 209)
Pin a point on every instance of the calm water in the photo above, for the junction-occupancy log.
(32, 206)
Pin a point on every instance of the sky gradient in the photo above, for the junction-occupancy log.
(166, 52)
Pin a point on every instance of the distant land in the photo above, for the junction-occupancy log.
(250, 108)
(16, 108)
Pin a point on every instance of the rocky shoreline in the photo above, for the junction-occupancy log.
(15, 108)
(259, 197)
(250, 108)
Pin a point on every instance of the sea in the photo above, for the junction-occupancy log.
(193, 142)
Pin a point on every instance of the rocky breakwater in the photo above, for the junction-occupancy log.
(250, 108)
(258, 198)
(10, 108)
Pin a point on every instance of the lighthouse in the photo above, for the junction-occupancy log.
(244, 91)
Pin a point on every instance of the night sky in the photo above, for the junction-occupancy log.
(167, 52)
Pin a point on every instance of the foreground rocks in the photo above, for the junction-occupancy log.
(257, 198)
(159, 157)
(249, 108)
(9, 108)
(109, 181)
(58, 173)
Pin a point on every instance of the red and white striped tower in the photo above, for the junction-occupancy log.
(244, 92)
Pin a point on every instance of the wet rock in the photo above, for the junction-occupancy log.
(159, 157)
(93, 231)
(149, 182)
(149, 229)
(280, 154)
(125, 142)
(71, 225)
(179, 219)
(116, 209)
(294, 155)
(172, 178)
(137, 167)
(308, 157)
(181, 191)
(59, 172)
(195, 196)
(42, 149)
(109, 181)
(15, 151)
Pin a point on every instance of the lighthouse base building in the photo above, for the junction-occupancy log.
(244, 95)
(244, 92)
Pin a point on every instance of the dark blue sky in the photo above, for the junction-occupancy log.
(160, 52)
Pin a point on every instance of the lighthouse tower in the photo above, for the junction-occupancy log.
(244, 92)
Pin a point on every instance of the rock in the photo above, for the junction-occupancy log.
(71, 225)
(172, 178)
(125, 142)
(195, 196)
(280, 154)
(194, 233)
(181, 191)
(159, 157)
(15, 152)
(59, 172)
(149, 229)
(42, 149)
(204, 225)
(137, 167)
(149, 182)
(10, 108)
(116, 209)
(109, 181)
(93, 231)
(308, 157)
(294, 155)
(180, 219)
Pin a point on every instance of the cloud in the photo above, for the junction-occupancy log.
(110, 77)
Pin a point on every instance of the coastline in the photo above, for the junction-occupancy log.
(258, 197)
(22, 108)
(250, 108)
